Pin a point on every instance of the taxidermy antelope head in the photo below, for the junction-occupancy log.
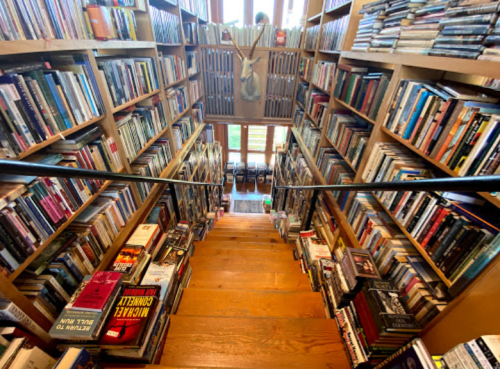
(250, 82)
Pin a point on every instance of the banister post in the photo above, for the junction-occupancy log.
(173, 194)
(310, 213)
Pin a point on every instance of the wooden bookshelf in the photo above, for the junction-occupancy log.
(347, 106)
(175, 83)
(134, 101)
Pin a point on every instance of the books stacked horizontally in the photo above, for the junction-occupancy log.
(312, 36)
(21, 353)
(173, 68)
(465, 27)
(317, 106)
(280, 84)
(378, 312)
(37, 22)
(42, 99)
(323, 75)
(333, 34)
(450, 123)
(370, 25)
(177, 100)
(218, 34)
(361, 89)
(84, 316)
(127, 79)
(335, 170)
(166, 26)
(419, 37)
(349, 135)
(291, 228)
(396, 258)
(310, 250)
(492, 52)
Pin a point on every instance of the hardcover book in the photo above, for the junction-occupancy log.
(160, 274)
(128, 259)
(145, 235)
(130, 317)
(98, 291)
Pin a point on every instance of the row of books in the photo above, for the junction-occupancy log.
(306, 67)
(173, 68)
(333, 34)
(177, 101)
(156, 157)
(193, 65)
(323, 74)
(349, 135)
(218, 34)
(128, 78)
(302, 89)
(190, 33)
(361, 89)
(218, 74)
(312, 35)
(42, 99)
(195, 90)
(335, 170)
(317, 106)
(137, 128)
(198, 7)
(25, 20)
(198, 112)
(417, 209)
(450, 123)
(330, 4)
(166, 26)
(183, 130)
(311, 136)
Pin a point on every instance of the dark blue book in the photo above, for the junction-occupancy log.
(416, 114)
(59, 100)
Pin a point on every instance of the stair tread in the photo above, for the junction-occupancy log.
(257, 234)
(253, 343)
(244, 265)
(242, 253)
(249, 281)
(248, 303)
(243, 245)
(276, 239)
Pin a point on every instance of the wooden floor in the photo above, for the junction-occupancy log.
(249, 306)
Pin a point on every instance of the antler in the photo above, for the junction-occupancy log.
(236, 45)
(255, 43)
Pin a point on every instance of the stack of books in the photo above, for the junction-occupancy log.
(127, 79)
(193, 66)
(335, 170)
(323, 75)
(317, 106)
(359, 88)
(312, 35)
(44, 98)
(83, 318)
(492, 42)
(310, 250)
(173, 68)
(302, 89)
(370, 25)
(131, 262)
(306, 67)
(166, 26)
(21, 353)
(349, 136)
(190, 33)
(333, 34)
(280, 84)
(443, 120)
(177, 101)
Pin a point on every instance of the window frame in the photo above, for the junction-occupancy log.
(216, 12)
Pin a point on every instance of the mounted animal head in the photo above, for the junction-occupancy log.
(247, 63)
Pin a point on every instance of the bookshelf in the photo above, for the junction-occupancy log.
(399, 67)
(95, 50)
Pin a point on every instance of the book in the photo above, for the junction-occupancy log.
(75, 357)
(98, 291)
(162, 275)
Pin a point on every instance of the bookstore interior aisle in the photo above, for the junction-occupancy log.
(331, 92)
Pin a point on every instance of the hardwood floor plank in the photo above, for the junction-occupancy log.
(245, 265)
(276, 239)
(242, 253)
(243, 245)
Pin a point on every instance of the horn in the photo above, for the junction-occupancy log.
(236, 45)
(255, 43)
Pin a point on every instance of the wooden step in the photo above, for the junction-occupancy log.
(276, 239)
(243, 223)
(243, 245)
(248, 303)
(246, 215)
(253, 343)
(242, 253)
(249, 281)
(245, 265)
(258, 227)
(246, 233)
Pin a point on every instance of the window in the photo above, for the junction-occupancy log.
(257, 138)
(233, 12)
(235, 157)
(280, 134)
(256, 158)
(234, 137)
(266, 6)
(293, 13)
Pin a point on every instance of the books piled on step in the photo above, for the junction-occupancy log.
(127, 79)
(42, 99)
(310, 250)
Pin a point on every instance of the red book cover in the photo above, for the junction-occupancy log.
(134, 309)
(444, 212)
(280, 38)
(97, 292)
(366, 319)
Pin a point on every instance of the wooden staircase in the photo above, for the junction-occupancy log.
(248, 305)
